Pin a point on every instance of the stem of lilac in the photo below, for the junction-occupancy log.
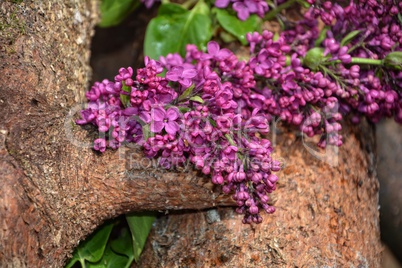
(361, 61)
(330, 73)
(366, 61)
(272, 14)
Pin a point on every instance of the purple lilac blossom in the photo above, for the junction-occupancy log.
(244, 8)
(162, 119)
(237, 99)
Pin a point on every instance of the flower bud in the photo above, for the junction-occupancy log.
(313, 58)
(393, 60)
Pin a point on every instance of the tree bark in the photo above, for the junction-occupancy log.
(55, 190)
(326, 216)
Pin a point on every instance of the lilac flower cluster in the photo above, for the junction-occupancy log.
(292, 92)
(356, 35)
(206, 109)
(244, 8)
(214, 110)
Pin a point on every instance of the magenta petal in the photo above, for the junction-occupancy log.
(158, 114)
(103, 128)
(221, 3)
(174, 74)
(251, 6)
(165, 98)
(156, 126)
(258, 70)
(224, 54)
(144, 116)
(186, 83)
(130, 111)
(213, 48)
(242, 11)
(189, 73)
(172, 127)
(172, 113)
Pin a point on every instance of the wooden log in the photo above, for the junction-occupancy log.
(327, 216)
(55, 190)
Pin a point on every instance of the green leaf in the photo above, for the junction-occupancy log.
(110, 259)
(321, 37)
(146, 132)
(349, 37)
(235, 26)
(171, 9)
(197, 99)
(184, 109)
(125, 99)
(186, 93)
(175, 27)
(123, 245)
(115, 11)
(140, 224)
(303, 3)
(93, 247)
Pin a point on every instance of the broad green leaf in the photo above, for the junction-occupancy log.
(171, 9)
(140, 224)
(175, 27)
(93, 247)
(123, 245)
(115, 11)
(197, 99)
(110, 259)
(235, 26)
(349, 37)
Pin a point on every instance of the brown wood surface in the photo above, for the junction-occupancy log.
(327, 216)
(54, 193)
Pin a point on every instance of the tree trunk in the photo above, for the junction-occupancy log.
(326, 216)
(55, 190)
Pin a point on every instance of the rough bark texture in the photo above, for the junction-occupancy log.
(326, 217)
(54, 191)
